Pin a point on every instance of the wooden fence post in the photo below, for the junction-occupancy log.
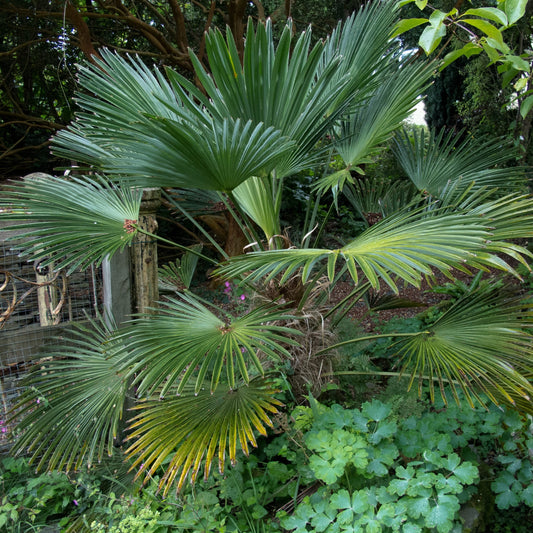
(144, 254)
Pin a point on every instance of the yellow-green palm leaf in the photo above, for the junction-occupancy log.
(256, 198)
(193, 428)
(188, 342)
(481, 344)
(405, 246)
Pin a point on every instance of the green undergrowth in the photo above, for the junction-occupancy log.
(328, 468)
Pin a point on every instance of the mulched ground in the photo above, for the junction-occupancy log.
(423, 295)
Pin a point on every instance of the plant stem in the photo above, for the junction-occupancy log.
(370, 338)
(197, 225)
(240, 216)
(396, 374)
(180, 246)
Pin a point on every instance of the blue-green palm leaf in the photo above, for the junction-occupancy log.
(71, 409)
(363, 41)
(144, 134)
(193, 428)
(482, 344)
(199, 345)
(373, 123)
(284, 89)
(71, 222)
(432, 162)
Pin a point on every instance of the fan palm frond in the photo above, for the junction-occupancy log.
(71, 222)
(285, 90)
(158, 141)
(373, 123)
(194, 427)
(433, 162)
(481, 344)
(72, 406)
(199, 345)
(406, 245)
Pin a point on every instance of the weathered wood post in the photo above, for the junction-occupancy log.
(144, 283)
(144, 254)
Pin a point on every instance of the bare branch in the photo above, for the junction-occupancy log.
(181, 34)
(22, 46)
(25, 119)
(84, 33)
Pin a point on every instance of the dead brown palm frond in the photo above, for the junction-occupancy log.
(310, 371)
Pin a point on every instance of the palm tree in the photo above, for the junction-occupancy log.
(201, 377)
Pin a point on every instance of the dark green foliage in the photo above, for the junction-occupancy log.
(28, 501)
(385, 473)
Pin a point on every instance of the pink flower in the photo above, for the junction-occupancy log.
(75, 502)
(243, 297)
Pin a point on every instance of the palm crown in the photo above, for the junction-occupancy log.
(205, 391)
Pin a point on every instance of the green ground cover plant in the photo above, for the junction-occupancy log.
(377, 468)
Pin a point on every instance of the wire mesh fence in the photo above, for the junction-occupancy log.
(36, 303)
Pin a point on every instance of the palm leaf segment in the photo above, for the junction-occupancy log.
(404, 246)
(198, 345)
(72, 406)
(194, 428)
(481, 344)
(374, 122)
(69, 221)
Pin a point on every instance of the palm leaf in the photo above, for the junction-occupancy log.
(179, 274)
(256, 199)
(508, 218)
(363, 41)
(367, 129)
(199, 345)
(432, 163)
(379, 195)
(73, 402)
(480, 344)
(143, 133)
(406, 245)
(284, 90)
(297, 89)
(69, 221)
(189, 429)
